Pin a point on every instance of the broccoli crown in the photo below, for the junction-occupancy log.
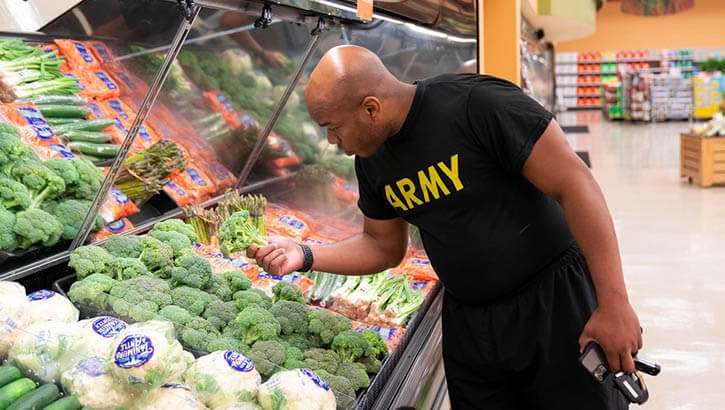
(196, 339)
(92, 290)
(64, 169)
(179, 243)
(219, 287)
(141, 312)
(372, 364)
(292, 316)
(287, 291)
(191, 299)
(268, 356)
(378, 348)
(202, 325)
(142, 288)
(297, 340)
(176, 315)
(245, 298)
(42, 183)
(34, 225)
(355, 373)
(220, 313)
(71, 214)
(11, 150)
(127, 268)
(234, 330)
(341, 388)
(351, 345)
(13, 194)
(191, 270)
(124, 246)
(321, 359)
(292, 364)
(226, 343)
(257, 324)
(237, 232)
(8, 239)
(325, 325)
(237, 280)
(157, 256)
(89, 182)
(90, 259)
(177, 225)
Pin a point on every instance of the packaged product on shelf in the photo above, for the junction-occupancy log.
(220, 176)
(279, 144)
(117, 206)
(31, 124)
(195, 182)
(13, 314)
(78, 56)
(265, 281)
(98, 85)
(220, 103)
(130, 85)
(48, 305)
(392, 336)
(101, 52)
(344, 190)
(112, 228)
(314, 239)
(178, 194)
(286, 222)
(418, 267)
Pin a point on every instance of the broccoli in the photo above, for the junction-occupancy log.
(92, 290)
(127, 268)
(64, 169)
(257, 324)
(41, 182)
(220, 313)
(8, 239)
(157, 256)
(71, 214)
(89, 182)
(322, 359)
(49, 206)
(13, 151)
(13, 194)
(237, 233)
(202, 325)
(34, 225)
(297, 340)
(355, 373)
(341, 387)
(237, 280)
(195, 339)
(142, 288)
(293, 357)
(268, 356)
(292, 316)
(372, 364)
(146, 310)
(351, 345)
(176, 315)
(378, 348)
(245, 298)
(123, 246)
(178, 242)
(219, 287)
(177, 225)
(226, 343)
(191, 299)
(234, 330)
(325, 325)
(191, 270)
(90, 259)
(287, 291)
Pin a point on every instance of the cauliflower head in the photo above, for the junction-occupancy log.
(99, 332)
(299, 389)
(13, 314)
(89, 382)
(48, 305)
(171, 396)
(222, 378)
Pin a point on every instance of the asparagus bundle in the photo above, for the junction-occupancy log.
(203, 221)
(206, 222)
(146, 172)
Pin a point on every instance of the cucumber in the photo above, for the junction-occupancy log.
(88, 125)
(37, 399)
(58, 99)
(88, 136)
(14, 391)
(61, 121)
(66, 403)
(8, 374)
(97, 150)
(63, 111)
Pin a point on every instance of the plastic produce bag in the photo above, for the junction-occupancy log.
(222, 378)
(300, 389)
(171, 396)
(48, 305)
(92, 386)
(13, 314)
(99, 332)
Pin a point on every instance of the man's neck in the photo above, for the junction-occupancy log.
(403, 102)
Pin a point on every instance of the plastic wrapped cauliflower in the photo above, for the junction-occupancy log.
(145, 355)
(171, 396)
(46, 349)
(13, 314)
(222, 378)
(178, 369)
(299, 389)
(240, 406)
(92, 386)
(99, 333)
(48, 305)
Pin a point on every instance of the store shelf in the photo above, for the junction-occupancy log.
(627, 60)
(588, 73)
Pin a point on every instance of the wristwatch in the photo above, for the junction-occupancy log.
(308, 259)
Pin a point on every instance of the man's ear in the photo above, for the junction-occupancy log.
(371, 105)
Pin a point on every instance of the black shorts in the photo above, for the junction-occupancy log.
(523, 352)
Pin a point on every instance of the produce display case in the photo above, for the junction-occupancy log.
(225, 82)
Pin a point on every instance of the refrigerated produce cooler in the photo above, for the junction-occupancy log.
(224, 82)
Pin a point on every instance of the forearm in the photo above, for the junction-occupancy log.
(360, 254)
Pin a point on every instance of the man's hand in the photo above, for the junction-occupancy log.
(617, 331)
(280, 257)
(273, 59)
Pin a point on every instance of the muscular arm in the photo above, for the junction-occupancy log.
(557, 171)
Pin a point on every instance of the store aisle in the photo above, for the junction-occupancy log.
(672, 239)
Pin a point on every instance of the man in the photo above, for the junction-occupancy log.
(511, 219)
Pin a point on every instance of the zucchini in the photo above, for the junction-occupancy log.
(97, 124)
(59, 99)
(8, 374)
(63, 111)
(96, 150)
(66, 403)
(88, 136)
(61, 121)
(37, 399)
(14, 391)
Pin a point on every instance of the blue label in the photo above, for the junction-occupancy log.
(238, 263)
(92, 366)
(107, 326)
(84, 53)
(116, 105)
(133, 351)
(350, 188)
(194, 174)
(126, 80)
(63, 151)
(264, 275)
(78, 83)
(247, 121)
(119, 196)
(224, 102)
(219, 171)
(418, 285)
(107, 81)
(116, 226)
(293, 278)
(419, 262)
(315, 378)
(292, 222)
(119, 125)
(41, 294)
(144, 133)
(316, 242)
(48, 50)
(238, 361)
(96, 109)
(176, 189)
(36, 121)
(103, 52)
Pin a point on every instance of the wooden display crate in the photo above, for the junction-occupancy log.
(702, 160)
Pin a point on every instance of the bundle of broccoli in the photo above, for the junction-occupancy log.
(42, 202)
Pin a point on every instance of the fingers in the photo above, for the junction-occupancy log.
(613, 360)
(277, 266)
(252, 251)
(584, 341)
(627, 362)
(266, 261)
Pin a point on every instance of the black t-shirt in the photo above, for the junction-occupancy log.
(454, 170)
